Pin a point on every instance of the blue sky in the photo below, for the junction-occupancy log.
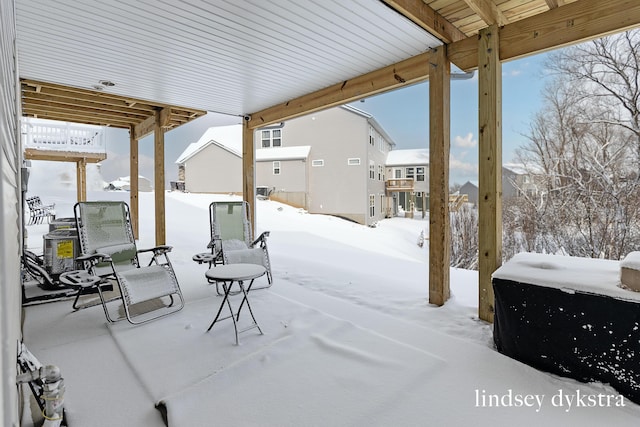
(403, 113)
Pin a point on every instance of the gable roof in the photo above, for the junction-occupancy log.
(372, 120)
(414, 156)
(226, 137)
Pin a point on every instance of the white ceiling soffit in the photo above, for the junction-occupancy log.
(226, 56)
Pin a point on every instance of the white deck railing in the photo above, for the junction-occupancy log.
(63, 136)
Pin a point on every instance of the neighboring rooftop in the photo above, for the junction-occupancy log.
(414, 156)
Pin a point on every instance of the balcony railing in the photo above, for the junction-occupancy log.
(400, 184)
(63, 137)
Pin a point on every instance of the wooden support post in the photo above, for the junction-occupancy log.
(439, 145)
(81, 179)
(133, 177)
(490, 164)
(158, 133)
(248, 171)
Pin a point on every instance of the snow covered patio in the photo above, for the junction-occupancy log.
(349, 340)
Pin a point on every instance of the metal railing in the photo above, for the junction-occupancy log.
(63, 137)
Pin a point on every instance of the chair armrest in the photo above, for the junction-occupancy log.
(262, 239)
(213, 241)
(94, 259)
(158, 250)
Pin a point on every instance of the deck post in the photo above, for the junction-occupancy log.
(133, 181)
(248, 171)
(81, 179)
(439, 145)
(490, 165)
(158, 133)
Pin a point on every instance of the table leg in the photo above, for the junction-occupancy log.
(226, 298)
(245, 298)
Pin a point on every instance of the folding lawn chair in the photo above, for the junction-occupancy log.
(109, 251)
(232, 238)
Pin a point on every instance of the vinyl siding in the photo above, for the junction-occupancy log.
(10, 291)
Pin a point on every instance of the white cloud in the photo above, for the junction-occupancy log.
(466, 141)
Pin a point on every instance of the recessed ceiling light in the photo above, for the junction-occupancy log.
(107, 83)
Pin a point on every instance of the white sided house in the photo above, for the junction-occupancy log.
(408, 179)
(332, 162)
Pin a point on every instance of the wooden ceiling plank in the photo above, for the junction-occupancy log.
(488, 12)
(421, 14)
(401, 74)
(573, 23)
(552, 3)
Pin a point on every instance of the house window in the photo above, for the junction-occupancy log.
(372, 205)
(410, 173)
(420, 174)
(380, 173)
(355, 161)
(372, 140)
(271, 138)
(398, 173)
(316, 163)
(372, 169)
(276, 167)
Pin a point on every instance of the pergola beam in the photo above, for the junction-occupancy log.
(572, 23)
(401, 74)
(427, 18)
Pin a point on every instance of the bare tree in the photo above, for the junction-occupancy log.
(585, 147)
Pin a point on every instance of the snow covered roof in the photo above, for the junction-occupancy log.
(522, 169)
(227, 137)
(416, 156)
(283, 153)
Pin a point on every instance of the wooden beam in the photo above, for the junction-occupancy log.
(148, 125)
(248, 171)
(63, 156)
(490, 164)
(401, 74)
(159, 180)
(572, 23)
(488, 11)
(427, 18)
(133, 182)
(439, 141)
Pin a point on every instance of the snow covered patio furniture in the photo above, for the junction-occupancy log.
(569, 316)
(109, 251)
(232, 239)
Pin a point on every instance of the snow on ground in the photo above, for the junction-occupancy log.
(349, 338)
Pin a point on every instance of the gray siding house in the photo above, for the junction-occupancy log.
(331, 162)
(517, 181)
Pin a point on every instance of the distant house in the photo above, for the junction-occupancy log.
(123, 183)
(332, 162)
(517, 181)
(408, 178)
(470, 188)
(213, 164)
